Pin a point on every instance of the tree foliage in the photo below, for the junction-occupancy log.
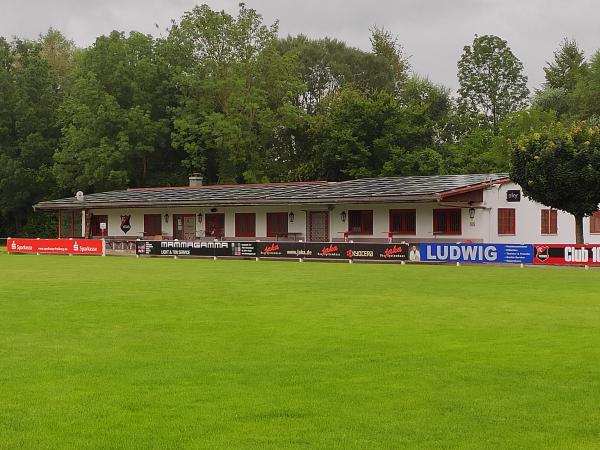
(491, 80)
(560, 168)
(223, 95)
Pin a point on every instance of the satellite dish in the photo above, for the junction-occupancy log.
(79, 196)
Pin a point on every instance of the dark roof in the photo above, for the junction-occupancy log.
(365, 190)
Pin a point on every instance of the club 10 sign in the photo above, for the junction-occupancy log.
(567, 254)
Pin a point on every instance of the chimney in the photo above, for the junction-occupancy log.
(195, 179)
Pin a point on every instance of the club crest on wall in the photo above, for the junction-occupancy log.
(125, 225)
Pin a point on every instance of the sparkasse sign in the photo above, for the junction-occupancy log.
(56, 246)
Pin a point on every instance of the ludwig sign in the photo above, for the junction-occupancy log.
(478, 253)
(56, 246)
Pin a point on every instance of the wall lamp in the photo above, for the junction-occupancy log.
(199, 217)
(166, 218)
(343, 216)
(472, 213)
(292, 216)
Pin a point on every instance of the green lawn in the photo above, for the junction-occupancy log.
(147, 353)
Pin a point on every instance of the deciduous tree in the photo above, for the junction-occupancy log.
(560, 168)
(491, 80)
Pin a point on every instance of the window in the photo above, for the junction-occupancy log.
(96, 229)
(245, 225)
(360, 221)
(214, 225)
(277, 224)
(595, 222)
(403, 221)
(549, 221)
(447, 221)
(506, 221)
(152, 224)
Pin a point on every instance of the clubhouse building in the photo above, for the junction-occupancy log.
(441, 208)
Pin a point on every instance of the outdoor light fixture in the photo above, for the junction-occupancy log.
(343, 216)
(291, 217)
(472, 213)
(166, 218)
(199, 217)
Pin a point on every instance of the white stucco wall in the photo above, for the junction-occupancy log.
(528, 220)
(484, 227)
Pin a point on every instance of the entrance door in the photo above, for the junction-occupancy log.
(99, 225)
(214, 225)
(184, 227)
(318, 226)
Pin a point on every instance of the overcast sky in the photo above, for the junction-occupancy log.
(432, 32)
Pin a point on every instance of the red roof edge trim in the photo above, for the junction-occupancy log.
(212, 186)
(473, 187)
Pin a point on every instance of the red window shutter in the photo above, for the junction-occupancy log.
(595, 222)
(360, 221)
(549, 219)
(403, 221)
(152, 224)
(447, 221)
(506, 221)
(245, 224)
(277, 224)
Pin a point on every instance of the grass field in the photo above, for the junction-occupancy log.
(149, 353)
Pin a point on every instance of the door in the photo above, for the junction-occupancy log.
(99, 225)
(214, 225)
(184, 227)
(318, 226)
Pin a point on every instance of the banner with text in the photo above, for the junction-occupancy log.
(477, 253)
(56, 246)
(579, 255)
(196, 248)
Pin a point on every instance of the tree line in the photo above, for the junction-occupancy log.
(225, 96)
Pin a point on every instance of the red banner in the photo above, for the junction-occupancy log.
(568, 254)
(56, 246)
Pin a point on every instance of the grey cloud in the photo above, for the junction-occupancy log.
(433, 32)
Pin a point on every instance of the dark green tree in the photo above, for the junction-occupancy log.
(236, 100)
(491, 80)
(386, 45)
(586, 95)
(568, 66)
(30, 95)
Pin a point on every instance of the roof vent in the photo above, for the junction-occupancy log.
(196, 179)
(79, 196)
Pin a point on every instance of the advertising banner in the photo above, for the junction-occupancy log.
(196, 248)
(477, 253)
(56, 246)
(579, 255)
(380, 252)
(328, 250)
(274, 249)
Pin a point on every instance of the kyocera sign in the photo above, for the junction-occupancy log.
(480, 253)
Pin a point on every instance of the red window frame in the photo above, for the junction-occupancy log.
(447, 221)
(403, 221)
(95, 225)
(360, 221)
(549, 221)
(152, 224)
(277, 224)
(595, 223)
(506, 221)
(245, 224)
